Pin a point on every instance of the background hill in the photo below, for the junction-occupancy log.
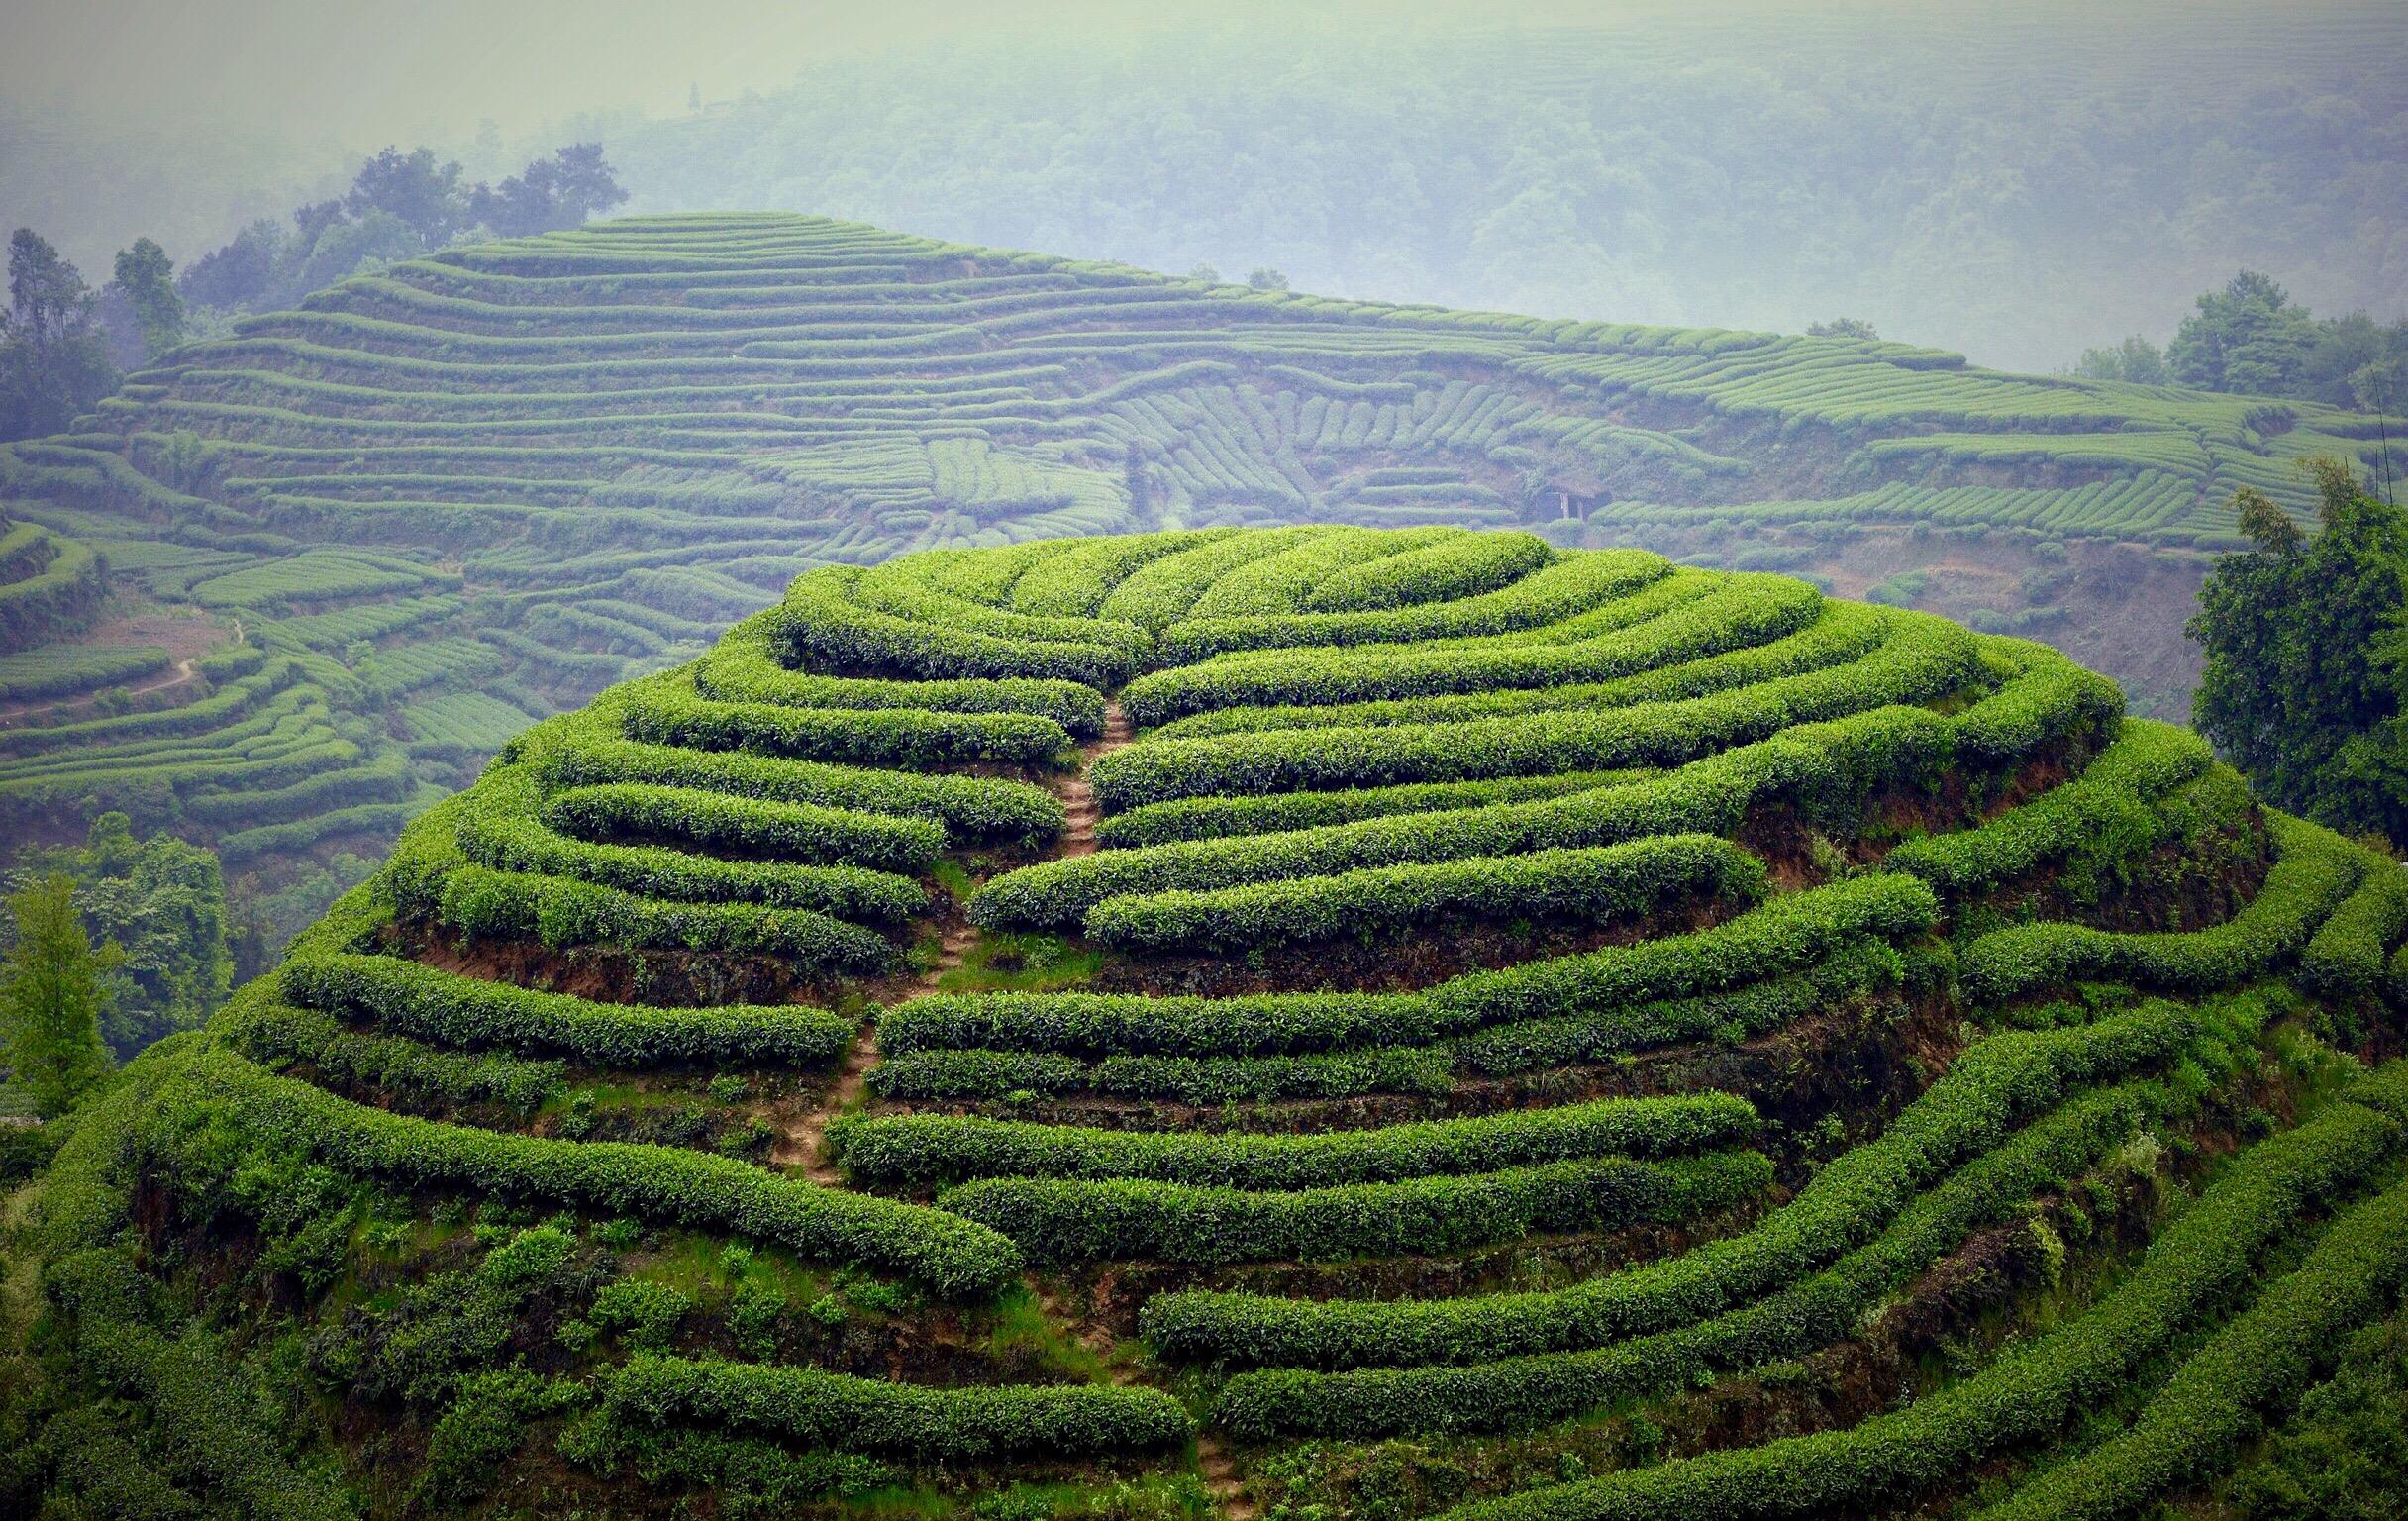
(2020, 183)
(353, 548)
(1326, 1021)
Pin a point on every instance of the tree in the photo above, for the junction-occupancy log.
(53, 361)
(567, 190)
(2305, 661)
(413, 189)
(2135, 360)
(148, 281)
(2247, 337)
(161, 902)
(51, 995)
(240, 274)
(1843, 327)
(1268, 280)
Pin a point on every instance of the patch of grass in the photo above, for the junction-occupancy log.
(999, 963)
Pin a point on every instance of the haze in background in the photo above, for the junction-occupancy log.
(2018, 181)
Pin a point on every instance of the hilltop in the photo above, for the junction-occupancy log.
(353, 549)
(1310, 1020)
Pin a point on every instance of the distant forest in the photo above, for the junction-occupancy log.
(2080, 175)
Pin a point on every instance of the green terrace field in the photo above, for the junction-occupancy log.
(437, 503)
(1331, 1021)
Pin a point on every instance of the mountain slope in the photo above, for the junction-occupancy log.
(441, 501)
(1400, 1021)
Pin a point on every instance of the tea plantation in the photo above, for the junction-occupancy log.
(437, 503)
(1317, 1021)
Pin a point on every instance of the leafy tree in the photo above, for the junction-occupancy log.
(1268, 280)
(2247, 337)
(2305, 657)
(1841, 326)
(414, 190)
(53, 992)
(161, 902)
(148, 281)
(2135, 360)
(240, 273)
(53, 362)
(565, 190)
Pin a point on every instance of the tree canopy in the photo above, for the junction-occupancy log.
(2250, 338)
(161, 902)
(2307, 656)
(53, 993)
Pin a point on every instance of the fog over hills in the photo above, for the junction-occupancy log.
(2019, 184)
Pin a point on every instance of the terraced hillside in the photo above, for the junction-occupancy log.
(1308, 1021)
(380, 534)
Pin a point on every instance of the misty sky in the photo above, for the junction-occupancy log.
(2018, 179)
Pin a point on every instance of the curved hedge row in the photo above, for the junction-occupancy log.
(1591, 885)
(461, 1011)
(1058, 1220)
(1786, 933)
(920, 1150)
(748, 665)
(500, 824)
(591, 750)
(665, 1184)
(2314, 871)
(1741, 611)
(1927, 661)
(1572, 585)
(2198, 1425)
(797, 832)
(929, 1425)
(1990, 1090)
(2198, 1263)
(1534, 1389)
(2109, 800)
(667, 710)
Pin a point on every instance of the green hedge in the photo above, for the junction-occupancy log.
(589, 748)
(751, 663)
(1927, 661)
(1743, 611)
(1575, 584)
(667, 710)
(1514, 1392)
(2314, 871)
(499, 823)
(2217, 1402)
(2200, 1261)
(453, 1011)
(1844, 631)
(800, 832)
(1456, 568)
(1790, 932)
(2345, 959)
(277, 1033)
(667, 1185)
(1206, 818)
(920, 1150)
(928, 1425)
(1993, 1086)
(1059, 1220)
(1606, 882)
(822, 621)
(2109, 800)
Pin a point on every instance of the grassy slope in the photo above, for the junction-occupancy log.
(477, 489)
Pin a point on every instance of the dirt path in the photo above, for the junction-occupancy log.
(1080, 808)
(181, 674)
(805, 1139)
(1220, 1473)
